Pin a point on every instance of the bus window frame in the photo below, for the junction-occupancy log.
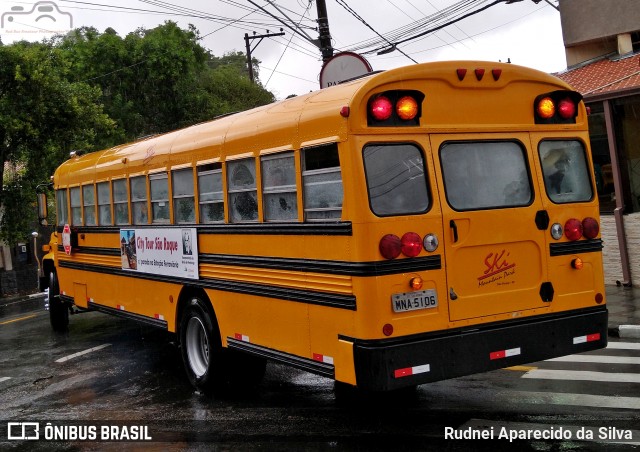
(136, 201)
(175, 198)
(587, 165)
(109, 204)
(280, 189)
(61, 220)
(125, 202)
(204, 170)
(160, 176)
(79, 206)
(304, 172)
(233, 192)
(425, 169)
(525, 159)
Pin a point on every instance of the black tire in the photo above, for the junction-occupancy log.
(210, 368)
(58, 311)
(200, 347)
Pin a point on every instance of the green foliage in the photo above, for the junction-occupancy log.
(89, 90)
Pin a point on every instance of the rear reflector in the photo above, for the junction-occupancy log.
(408, 371)
(504, 353)
(587, 338)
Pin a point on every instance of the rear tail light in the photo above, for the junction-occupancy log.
(390, 246)
(590, 228)
(411, 244)
(573, 229)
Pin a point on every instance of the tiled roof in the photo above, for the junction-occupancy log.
(604, 75)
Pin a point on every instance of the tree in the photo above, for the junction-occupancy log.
(42, 117)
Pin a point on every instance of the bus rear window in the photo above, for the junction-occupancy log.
(485, 175)
(565, 170)
(396, 179)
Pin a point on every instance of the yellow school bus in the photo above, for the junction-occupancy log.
(414, 225)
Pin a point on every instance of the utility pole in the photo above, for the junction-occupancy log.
(323, 29)
(247, 38)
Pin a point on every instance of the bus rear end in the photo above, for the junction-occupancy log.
(482, 209)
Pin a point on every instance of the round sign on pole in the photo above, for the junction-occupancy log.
(66, 239)
(343, 66)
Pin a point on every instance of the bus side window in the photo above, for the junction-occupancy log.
(159, 198)
(139, 199)
(89, 199)
(322, 182)
(184, 210)
(279, 190)
(243, 196)
(62, 207)
(120, 201)
(76, 206)
(104, 204)
(210, 195)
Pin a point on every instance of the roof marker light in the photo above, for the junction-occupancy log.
(479, 74)
(461, 74)
(496, 74)
(345, 111)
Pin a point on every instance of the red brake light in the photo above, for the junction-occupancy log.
(546, 108)
(411, 244)
(590, 228)
(407, 108)
(381, 108)
(566, 108)
(390, 246)
(573, 229)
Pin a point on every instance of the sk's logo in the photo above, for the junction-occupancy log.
(495, 264)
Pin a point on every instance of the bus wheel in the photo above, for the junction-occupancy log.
(200, 347)
(58, 311)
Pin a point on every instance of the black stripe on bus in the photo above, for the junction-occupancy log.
(373, 268)
(305, 364)
(581, 246)
(333, 300)
(128, 315)
(333, 228)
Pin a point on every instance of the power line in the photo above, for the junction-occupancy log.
(357, 16)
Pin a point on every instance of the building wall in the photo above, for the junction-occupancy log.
(611, 251)
(591, 20)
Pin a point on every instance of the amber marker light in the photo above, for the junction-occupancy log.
(577, 263)
(407, 108)
(546, 108)
(416, 283)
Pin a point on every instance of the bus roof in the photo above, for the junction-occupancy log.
(303, 121)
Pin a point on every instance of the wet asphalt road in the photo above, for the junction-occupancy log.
(132, 376)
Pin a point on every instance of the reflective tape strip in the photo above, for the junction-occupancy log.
(120, 307)
(159, 316)
(323, 358)
(505, 353)
(587, 338)
(241, 337)
(407, 371)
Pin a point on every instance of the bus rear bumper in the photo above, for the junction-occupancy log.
(388, 364)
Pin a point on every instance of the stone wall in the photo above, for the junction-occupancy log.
(611, 250)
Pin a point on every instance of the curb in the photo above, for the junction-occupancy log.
(629, 331)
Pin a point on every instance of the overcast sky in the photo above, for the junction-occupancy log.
(527, 33)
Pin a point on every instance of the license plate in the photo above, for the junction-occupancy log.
(412, 301)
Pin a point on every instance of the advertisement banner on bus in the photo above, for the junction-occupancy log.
(163, 251)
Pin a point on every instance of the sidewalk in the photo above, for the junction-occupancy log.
(624, 311)
(623, 304)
